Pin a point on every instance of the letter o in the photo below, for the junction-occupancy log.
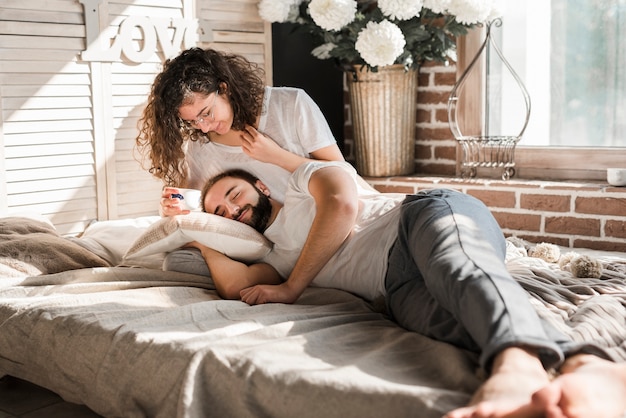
(149, 38)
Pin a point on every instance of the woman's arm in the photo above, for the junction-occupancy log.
(336, 203)
(230, 276)
(262, 148)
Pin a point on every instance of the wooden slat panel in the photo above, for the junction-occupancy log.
(66, 219)
(42, 79)
(17, 66)
(124, 112)
(225, 16)
(46, 114)
(44, 150)
(226, 26)
(38, 138)
(56, 5)
(42, 29)
(26, 42)
(136, 10)
(60, 172)
(151, 67)
(46, 103)
(61, 195)
(46, 127)
(50, 184)
(124, 79)
(238, 37)
(48, 54)
(48, 161)
(150, 189)
(143, 89)
(48, 90)
(124, 144)
(41, 16)
(136, 209)
(153, 3)
(129, 100)
(78, 206)
(130, 166)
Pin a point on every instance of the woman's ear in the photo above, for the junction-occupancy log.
(262, 187)
(223, 87)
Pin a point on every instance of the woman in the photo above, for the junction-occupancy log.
(209, 111)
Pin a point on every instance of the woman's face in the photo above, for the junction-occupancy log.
(210, 113)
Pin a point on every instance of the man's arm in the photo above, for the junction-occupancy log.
(231, 276)
(337, 205)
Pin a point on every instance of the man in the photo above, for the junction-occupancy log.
(437, 259)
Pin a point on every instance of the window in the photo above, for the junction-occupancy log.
(571, 56)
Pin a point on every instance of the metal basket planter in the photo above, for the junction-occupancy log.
(486, 150)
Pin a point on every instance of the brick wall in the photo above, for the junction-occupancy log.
(575, 215)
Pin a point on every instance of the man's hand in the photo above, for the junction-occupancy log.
(257, 295)
(231, 276)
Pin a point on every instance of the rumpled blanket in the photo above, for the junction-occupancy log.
(31, 247)
(586, 309)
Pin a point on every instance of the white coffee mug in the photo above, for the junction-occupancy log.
(189, 199)
(616, 176)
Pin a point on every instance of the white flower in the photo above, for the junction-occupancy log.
(437, 6)
(380, 43)
(401, 9)
(322, 52)
(279, 10)
(332, 14)
(470, 11)
(497, 10)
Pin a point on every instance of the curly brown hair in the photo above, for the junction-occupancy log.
(162, 133)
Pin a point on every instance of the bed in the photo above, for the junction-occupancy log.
(118, 334)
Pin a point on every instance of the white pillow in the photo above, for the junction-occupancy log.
(111, 239)
(232, 238)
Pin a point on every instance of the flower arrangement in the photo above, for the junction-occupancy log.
(384, 32)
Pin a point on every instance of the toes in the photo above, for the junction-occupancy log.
(574, 362)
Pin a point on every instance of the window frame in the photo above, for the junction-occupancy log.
(533, 162)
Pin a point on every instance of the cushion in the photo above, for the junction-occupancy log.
(232, 238)
(30, 247)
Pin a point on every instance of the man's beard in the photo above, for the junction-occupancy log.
(261, 213)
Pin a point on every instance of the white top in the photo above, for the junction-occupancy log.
(290, 117)
(360, 264)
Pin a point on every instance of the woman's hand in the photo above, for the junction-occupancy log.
(263, 148)
(259, 146)
(171, 206)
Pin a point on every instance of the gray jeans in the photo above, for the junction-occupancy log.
(447, 279)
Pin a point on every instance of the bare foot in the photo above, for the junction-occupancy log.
(588, 387)
(516, 375)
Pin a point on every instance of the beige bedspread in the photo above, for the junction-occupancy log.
(140, 342)
(134, 342)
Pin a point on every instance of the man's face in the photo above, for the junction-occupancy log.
(237, 199)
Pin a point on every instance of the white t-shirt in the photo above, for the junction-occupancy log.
(290, 117)
(360, 264)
